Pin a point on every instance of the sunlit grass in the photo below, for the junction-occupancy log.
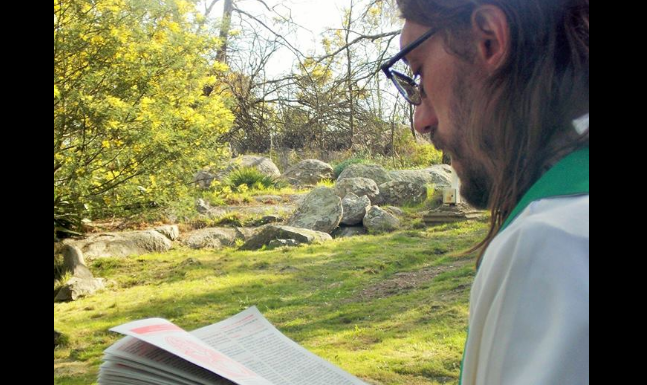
(391, 309)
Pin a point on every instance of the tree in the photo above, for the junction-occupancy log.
(131, 123)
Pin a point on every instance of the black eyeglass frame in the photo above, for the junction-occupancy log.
(396, 76)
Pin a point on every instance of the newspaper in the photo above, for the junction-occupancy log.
(245, 349)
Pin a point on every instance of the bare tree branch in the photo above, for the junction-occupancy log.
(357, 40)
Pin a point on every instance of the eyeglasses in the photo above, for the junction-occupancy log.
(409, 88)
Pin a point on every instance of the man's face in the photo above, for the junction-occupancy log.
(448, 85)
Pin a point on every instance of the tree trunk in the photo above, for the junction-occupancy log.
(224, 30)
(349, 75)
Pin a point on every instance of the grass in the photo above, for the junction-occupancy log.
(391, 309)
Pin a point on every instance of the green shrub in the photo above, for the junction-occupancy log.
(250, 177)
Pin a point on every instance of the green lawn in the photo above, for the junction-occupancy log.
(391, 309)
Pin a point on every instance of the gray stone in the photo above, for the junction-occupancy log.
(452, 213)
(245, 233)
(349, 231)
(73, 262)
(359, 187)
(79, 287)
(202, 206)
(309, 172)
(355, 209)
(203, 179)
(269, 219)
(395, 211)
(276, 243)
(404, 192)
(369, 171)
(273, 232)
(212, 238)
(122, 244)
(320, 211)
(378, 220)
(439, 175)
(171, 232)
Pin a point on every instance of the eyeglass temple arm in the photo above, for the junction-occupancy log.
(386, 66)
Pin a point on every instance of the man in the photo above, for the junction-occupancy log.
(499, 85)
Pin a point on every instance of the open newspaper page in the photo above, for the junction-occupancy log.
(245, 349)
(252, 340)
(132, 361)
(171, 338)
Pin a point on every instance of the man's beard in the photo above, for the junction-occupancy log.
(475, 182)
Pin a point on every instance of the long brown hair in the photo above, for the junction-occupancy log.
(522, 121)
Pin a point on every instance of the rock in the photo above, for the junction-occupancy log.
(202, 206)
(439, 175)
(122, 244)
(203, 179)
(276, 243)
(349, 231)
(449, 214)
(171, 232)
(320, 211)
(378, 220)
(355, 209)
(359, 187)
(262, 164)
(421, 176)
(273, 232)
(395, 211)
(79, 287)
(309, 173)
(269, 219)
(402, 193)
(369, 171)
(212, 238)
(73, 262)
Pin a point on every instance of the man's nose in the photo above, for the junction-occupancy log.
(424, 118)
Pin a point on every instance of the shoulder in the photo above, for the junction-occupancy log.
(549, 242)
(547, 226)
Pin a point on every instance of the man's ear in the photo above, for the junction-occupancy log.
(492, 36)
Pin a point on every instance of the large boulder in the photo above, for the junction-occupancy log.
(355, 209)
(401, 193)
(272, 233)
(309, 173)
(439, 175)
(320, 211)
(369, 171)
(216, 238)
(122, 244)
(420, 176)
(359, 187)
(378, 220)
